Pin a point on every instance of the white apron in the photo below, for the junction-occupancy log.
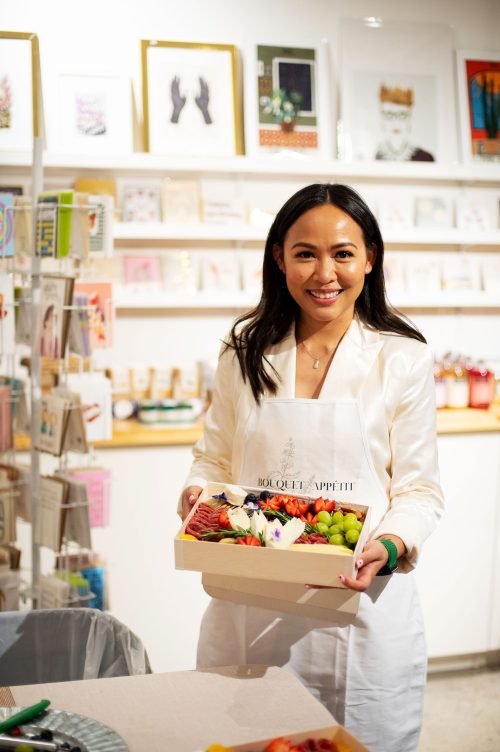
(370, 674)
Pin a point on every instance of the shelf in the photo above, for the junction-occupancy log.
(244, 301)
(159, 300)
(171, 231)
(415, 236)
(284, 164)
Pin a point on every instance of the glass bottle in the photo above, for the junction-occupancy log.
(457, 384)
(440, 384)
(481, 386)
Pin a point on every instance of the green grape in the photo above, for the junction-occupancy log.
(337, 540)
(352, 536)
(322, 527)
(349, 523)
(334, 530)
(358, 526)
(325, 518)
(337, 517)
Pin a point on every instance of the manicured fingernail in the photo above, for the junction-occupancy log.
(359, 563)
(341, 578)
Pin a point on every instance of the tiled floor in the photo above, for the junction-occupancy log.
(462, 712)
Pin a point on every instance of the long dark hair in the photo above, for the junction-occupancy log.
(270, 321)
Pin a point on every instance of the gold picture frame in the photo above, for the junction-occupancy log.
(15, 132)
(191, 98)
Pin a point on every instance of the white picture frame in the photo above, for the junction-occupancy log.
(397, 95)
(477, 143)
(20, 91)
(191, 99)
(94, 114)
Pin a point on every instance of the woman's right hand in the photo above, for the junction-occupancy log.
(189, 498)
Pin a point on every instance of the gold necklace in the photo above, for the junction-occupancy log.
(315, 359)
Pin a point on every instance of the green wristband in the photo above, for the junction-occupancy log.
(392, 552)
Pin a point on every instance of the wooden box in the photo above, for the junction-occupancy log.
(337, 734)
(270, 577)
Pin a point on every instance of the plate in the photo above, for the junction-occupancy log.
(78, 730)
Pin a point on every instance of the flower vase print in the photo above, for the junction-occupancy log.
(286, 84)
(5, 102)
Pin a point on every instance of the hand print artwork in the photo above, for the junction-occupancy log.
(189, 100)
(179, 101)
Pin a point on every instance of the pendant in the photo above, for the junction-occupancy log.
(316, 364)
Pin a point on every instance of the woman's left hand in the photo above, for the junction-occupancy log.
(372, 558)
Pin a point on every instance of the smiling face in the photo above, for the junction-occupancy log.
(325, 261)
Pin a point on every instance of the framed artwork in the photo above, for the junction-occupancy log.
(94, 114)
(191, 99)
(479, 98)
(20, 90)
(397, 92)
(287, 98)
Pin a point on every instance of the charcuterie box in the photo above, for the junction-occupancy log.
(273, 577)
(344, 741)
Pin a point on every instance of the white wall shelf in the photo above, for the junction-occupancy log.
(288, 165)
(415, 236)
(243, 301)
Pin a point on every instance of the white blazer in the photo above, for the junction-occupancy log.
(392, 379)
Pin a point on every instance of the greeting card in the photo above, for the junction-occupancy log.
(394, 273)
(100, 311)
(142, 273)
(423, 273)
(460, 272)
(50, 513)
(472, 216)
(94, 390)
(50, 424)
(219, 272)
(141, 203)
(56, 294)
(6, 224)
(433, 211)
(98, 483)
(180, 272)
(7, 315)
(180, 201)
(251, 271)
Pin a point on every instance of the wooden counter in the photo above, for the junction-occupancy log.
(468, 421)
(131, 433)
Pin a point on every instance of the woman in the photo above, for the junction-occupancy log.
(324, 384)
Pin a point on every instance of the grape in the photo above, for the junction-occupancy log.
(334, 529)
(352, 536)
(337, 517)
(322, 527)
(337, 540)
(325, 518)
(350, 516)
(265, 495)
(349, 523)
(358, 526)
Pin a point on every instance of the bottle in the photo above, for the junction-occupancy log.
(481, 386)
(440, 384)
(457, 384)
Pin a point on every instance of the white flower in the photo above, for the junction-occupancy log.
(282, 536)
(258, 524)
(238, 519)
